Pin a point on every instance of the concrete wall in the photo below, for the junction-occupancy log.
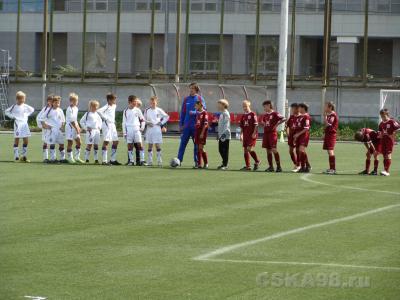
(352, 104)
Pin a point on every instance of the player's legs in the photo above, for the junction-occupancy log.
(69, 150)
(303, 159)
(77, 155)
(114, 148)
(387, 161)
(61, 149)
(53, 156)
(253, 154)
(204, 156)
(332, 161)
(185, 136)
(159, 156)
(24, 152)
(149, 154)
(104, 152)
(367, 163)
(293, 156)
(130, 153)
(277, 159)
(96, 153)
(45, 152)
(199, 156)
(270, 161)
(16, 149)
(87, 152)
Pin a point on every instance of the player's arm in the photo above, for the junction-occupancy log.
(83, 121)
(124, 123)
(255, 132)
(28, 110)
(142, 121)
(164, 118)
(205, 126)
(8, 112)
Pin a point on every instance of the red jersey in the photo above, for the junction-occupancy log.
(303, 122)
(370, 136)
(291, 124)
(332, 123)
(201, 121)
(388, 128)
(270, 120)
(248, 123)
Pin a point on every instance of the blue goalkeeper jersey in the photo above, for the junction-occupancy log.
(188, 111)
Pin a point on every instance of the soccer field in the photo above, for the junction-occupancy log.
(99, 232)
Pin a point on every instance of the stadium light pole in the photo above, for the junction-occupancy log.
(326, 56)
(44, 50)
(365, 57)
(17, 40)
(256, 42)
(83, 58)
(151, 55)
(116, 71)
(186, 54)
(282, 67)
(178, 39)
(221, 41)
(292, 43)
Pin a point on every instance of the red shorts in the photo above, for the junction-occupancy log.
(329, 142)
(270, 139)
(387, 145)
(377, 146)
(200, 141)
(249, 142)
(303, 140)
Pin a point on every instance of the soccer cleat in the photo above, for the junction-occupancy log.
(115, 163)
(87, 161)
(130, 164)
(220, 167)
(224, 168)
(150, 164)
(296, 169)
(270, 169)
(25, 160)
(96, 162)
(16, 159)
(330, 172)
(54, 161)
(196, 166)
(373, 173)
(245, 168)
(71, 161)
(304, 170)
(385, 173)
(104, 163)
(364, 172)
(278, 170)
(63, 161)
(205, 166)
(79, 161)
(256, 166)
(45, 161)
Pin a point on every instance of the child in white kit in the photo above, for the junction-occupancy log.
(91, 122)
(39, 119)
(133, 125)
(155, 118)
(54, 121)
(19, 112)
(72, 130)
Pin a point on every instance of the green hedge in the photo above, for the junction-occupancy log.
(346, 130)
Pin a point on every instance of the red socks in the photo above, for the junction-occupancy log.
(332, 162)
(277, 159)
(269, 158)
(376, 164)
(199, 157)
(205, 158)
(386, 164)
(367, 165)
(247, 158)
(254, 156)
(202, 155)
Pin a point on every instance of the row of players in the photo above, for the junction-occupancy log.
(53, 123)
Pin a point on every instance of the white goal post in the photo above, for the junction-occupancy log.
(390, 99)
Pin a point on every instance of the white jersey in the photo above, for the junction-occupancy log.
(41, 116)
(54, 118)
(107, 113)
(91, 120)
(19, 113)
(71, 115)
(132, 118)
(156, 116)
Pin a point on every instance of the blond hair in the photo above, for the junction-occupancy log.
(224, 102)
(247, 102)
(139, 102)
(20, 94)
(94, 103)
(56, 98)
(155, 98)
(73, 96)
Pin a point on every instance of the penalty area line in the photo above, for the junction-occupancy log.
(298, 263)
(230, 248)
(306, 177)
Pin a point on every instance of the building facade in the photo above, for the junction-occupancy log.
(204, 41)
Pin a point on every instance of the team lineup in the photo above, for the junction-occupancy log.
(194, 122)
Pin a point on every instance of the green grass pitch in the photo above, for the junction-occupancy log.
(96, 232)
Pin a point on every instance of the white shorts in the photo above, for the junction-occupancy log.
(154, 135)
(54, 136)
(133, 135)
(70, 133)
(93, 137)
(110, 133)
(21, 130)
(45, 133)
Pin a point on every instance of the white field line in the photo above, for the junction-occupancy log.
(298, 263)
(230, 248)
(306, 177)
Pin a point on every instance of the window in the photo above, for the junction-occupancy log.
(146, 5)
(59, 5)
(95, 52)
(203, 5)
(395, 6)
(97, 5)
(268, 54)
(204, 55)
